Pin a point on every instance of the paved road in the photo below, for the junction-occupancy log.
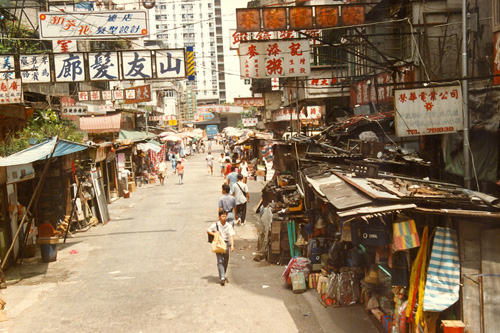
(150, 269)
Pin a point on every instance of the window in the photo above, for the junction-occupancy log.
(209, 5)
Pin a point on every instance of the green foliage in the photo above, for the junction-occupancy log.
(240, 124)
(18, 38)
(44, 124)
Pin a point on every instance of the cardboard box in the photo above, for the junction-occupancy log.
(131, 186)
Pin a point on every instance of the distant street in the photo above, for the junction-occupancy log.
(150, 269)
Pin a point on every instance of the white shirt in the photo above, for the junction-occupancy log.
(238, 193)
(244, 169)
(225, 230)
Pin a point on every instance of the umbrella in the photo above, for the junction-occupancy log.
(172, 138)
(166, 133)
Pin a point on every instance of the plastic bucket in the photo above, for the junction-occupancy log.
(49, 252)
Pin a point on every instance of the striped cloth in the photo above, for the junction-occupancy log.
(405, 235)
(443, 276)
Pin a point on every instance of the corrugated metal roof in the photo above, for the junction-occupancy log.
(101, 124)
(42, 151)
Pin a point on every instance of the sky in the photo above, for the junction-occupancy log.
(235, 86)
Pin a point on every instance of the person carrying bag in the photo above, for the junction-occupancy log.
(223, 235)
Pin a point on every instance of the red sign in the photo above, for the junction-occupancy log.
(249, 101)
(140, 93)
(67, 101)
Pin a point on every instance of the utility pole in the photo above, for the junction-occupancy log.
(465, 96)
(297, 103)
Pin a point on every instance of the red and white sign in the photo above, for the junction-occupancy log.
(83, 95)
(275, 59)
(106, 108)
(67, 101)
(158, 118)
(249, 122)
(428, 111)
(237, 37)
(11, 91)
(309, 113)
(275, 83)
(64, 46)
(249, 101)
(95, 95)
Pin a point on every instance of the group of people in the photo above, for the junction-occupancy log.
(232, 207)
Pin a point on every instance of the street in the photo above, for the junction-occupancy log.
(150, 269)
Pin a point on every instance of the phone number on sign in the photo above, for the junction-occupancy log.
(432, 130)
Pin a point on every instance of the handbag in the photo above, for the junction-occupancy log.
(218, 245)
(372, 233)
(211, 237)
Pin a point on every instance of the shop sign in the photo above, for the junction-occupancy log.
(64, 46)
(275, 59)
(163, 118)
(80, 110)
(428, 111)
(7, 64)
(237, 37)
(138, 94)
(11, 91)
(308, 113)
(298, 18)
(249, 122)
(275, 84)
(85, 25)
(69, 67)
(170, 64)
(103, 66)
(137, 65)
(67, 101)
(249, 101)
(380, 88)
(34, 68)
(172, 122)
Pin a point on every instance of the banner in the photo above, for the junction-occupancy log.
(428, 111)
(85, 25)
(275, 59)
(249, 101)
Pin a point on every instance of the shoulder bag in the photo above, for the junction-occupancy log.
(211, 237)
(244, 193)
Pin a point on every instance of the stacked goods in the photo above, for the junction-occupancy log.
(61, 229)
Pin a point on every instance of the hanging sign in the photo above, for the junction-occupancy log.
(103, 66)
(7, 62)
(137, 65)
(84, 25)
(275, 59)
(69, 67)
(11, 91)
(35, 68)
(77, 110)
(138, 94)
(170, 64)
(64, 46)
(309, 113)
(249, 101)
(428, 111)
(249, 122)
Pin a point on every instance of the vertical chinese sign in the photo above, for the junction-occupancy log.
(35, 68)
(275, 59)
(11, 91)
(428, 111)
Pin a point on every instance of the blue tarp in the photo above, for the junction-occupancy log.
(42, 151)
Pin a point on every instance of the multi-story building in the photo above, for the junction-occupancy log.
(198, 24)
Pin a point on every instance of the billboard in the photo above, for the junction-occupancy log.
(428, 111)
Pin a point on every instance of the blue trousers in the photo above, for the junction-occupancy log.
(223, 261)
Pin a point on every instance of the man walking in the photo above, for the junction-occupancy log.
(226, 232)
(222, 162)
(240, 192)
(227, 203)
(162, 172)
(232, 178)
(180, 171)
(210, 163)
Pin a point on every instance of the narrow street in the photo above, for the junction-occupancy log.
(150, 269)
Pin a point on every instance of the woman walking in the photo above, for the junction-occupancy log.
(180, 171)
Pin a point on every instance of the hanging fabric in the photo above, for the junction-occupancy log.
(415, 275)
(443, 277)
(405, 235)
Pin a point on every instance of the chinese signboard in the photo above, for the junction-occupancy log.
(35, 68)
(84, 25)
(7, 62)
(298, 18)
(64, 46)
(428, 111)
(158, 118)
(138, 94)
(379, 88)
(275, 84)
(170, 64)
(69, 67)
(309, 113)
(275, 59)
(67, 101)
(103, 66)
(11, 91)
(219, 108)
(249, 101)
(79, 110)
(249, 122)
(237, 37)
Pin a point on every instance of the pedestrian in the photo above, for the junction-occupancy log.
(228, 167)
(210, 163)
(209, 146)
(226, 232)
(227, 203)
(222, 163)
(231, 179)
(180, 171)
(240, 192)
(194, 148)
(162, 172)
(173, 159)
(244, 169)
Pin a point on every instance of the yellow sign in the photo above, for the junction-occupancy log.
(172, 122)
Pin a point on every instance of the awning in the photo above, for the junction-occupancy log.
(101, 124)
(148, 146)
(42, 151)
(135, 135)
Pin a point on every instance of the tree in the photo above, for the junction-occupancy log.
(18, 38)
(44, 124)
